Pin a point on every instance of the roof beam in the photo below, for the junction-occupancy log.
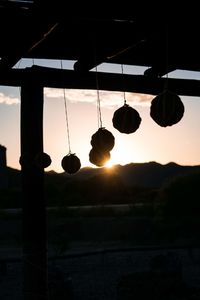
(158, 71)
(59, 78)
(32, 32)
(10, 60)
(111, 34)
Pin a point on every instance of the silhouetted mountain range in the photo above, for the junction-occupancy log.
(150, 174)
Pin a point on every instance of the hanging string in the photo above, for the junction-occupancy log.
(123, 82)
(167, 58)
(98, 103)
(66, 115)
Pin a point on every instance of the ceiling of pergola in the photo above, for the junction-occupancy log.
(161, 40)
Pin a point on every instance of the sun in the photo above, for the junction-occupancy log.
(114, 160)
(120, 156)
(109, 164)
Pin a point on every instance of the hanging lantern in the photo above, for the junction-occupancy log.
(26, 161)
(71, 163)
(126, 119)
(167, 109)
(103, 140)
(99, 157)
(43, 160)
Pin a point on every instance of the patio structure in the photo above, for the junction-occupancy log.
(161, 39)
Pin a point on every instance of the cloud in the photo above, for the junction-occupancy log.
(140, 99)
(53, 93)
(108, 99)
(8, 99)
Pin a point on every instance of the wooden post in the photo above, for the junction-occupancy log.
(34, 206)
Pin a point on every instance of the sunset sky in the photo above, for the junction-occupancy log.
(179, 143)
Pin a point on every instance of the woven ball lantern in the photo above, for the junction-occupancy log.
(103, 140)
(167, 109)
(71, 163)
(42, 160)
(126, 119)
(26, 161)
(99, 157)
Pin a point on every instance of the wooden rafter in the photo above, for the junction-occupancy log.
(57, 78)
(30, 33)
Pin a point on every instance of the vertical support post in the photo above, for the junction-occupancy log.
(34, 206)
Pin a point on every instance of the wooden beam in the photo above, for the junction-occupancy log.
(30, 32)
(110, 34)
(57, 78)
(24, 48)
(158, 71)
(33, 204)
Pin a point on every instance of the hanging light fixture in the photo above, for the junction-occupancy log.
(167, 108)
(70, 162)
(99, 157)
(126, 119)
(102, 140)
(43, 160)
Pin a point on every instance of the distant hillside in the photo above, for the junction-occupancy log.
(153, 174)
(150, 174)
(10, 177)
(135, 182)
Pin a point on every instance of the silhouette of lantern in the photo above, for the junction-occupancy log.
(126, 119)
(103, 140)
(99, 157)
(43, 160)
(71, 163)
(26, 161)
(167, 109)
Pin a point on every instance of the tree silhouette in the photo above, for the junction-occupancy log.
(181, 196)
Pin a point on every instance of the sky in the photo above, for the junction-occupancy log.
(179, 143)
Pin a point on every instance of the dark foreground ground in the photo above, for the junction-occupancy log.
(95, 258)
